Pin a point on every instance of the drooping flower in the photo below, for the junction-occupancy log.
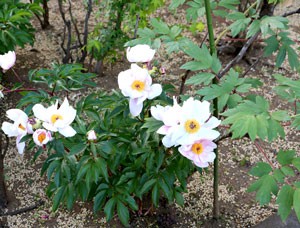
(7, 60)
(41, 137)
(57, 119)
(140, 53)
(19, 128)
(196, 123)
(91, 135)
(170, 116)
(136, 83)
(200, 152)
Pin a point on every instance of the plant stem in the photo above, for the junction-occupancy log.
(216, 206)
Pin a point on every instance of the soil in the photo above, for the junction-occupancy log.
(25, 187)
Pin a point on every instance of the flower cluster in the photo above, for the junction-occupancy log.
(53, 119)
(190, 126)
(136, 82)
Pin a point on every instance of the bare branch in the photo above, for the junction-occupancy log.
(291, 13)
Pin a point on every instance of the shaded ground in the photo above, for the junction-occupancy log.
(238, 208)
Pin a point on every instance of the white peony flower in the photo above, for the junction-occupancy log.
(136, 83)
(57, 119)
(140, 53)
(19, 128)
(7, 60)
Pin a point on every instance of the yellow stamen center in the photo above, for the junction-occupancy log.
(138, 85)
(56, 117)
(41, 137)
(197, 148)
(21, 127)
(192, 126)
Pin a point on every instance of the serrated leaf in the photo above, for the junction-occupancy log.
(264, 187)
(280, 56)
(288, 171)
(260, 169)
(296, 162)
(285, 157)
(203, 77)
(285, 201)
(296, 202)
(280, 115)
(159, 26)
(278, 175)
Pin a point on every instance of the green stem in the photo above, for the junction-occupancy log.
(216, 206)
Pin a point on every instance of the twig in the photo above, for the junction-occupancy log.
(86, 31)
(250, 67)
(18, 77)
(228, 135)
(267, 10)
(260, 149)
(238, 57)
(23, 210)
(291, 13)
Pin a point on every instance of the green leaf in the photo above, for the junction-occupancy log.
(296, 202)
(78, 148)
(253, 28)
(152, 124)
(203, 77)
(264, 187)
(239, 26)
(272, 45)
(285, 201)
(131, 202)
(57, 199)
(281, 56)
(109, 208)
(179, 198)
(159, 26)
(194, 66)
(293, 58)
(280, 115)
(123, 213)
(296, 162)
(99, 200)
(285, 157)
(146, 187)
(155, 195)
(260, 169)
(278, 175)
(288, 171)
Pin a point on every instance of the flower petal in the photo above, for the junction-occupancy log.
(67, 131)
(9, 129)
(135, 106)
(155, 91)
(20, 146)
